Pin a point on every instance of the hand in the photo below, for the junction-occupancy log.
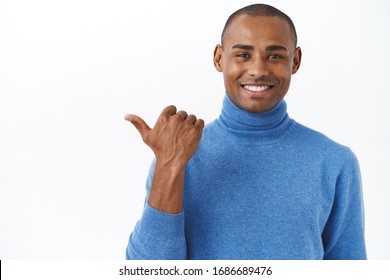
(175, 136)
(174, 140)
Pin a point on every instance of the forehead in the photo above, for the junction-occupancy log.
(254, 30)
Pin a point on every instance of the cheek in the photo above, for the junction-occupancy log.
(232, 71)
(284, 74)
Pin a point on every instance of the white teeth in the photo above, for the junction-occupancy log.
(257, 88)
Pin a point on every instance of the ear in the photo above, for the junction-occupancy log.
(218, 58)
(297, 60)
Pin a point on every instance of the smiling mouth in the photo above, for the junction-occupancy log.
(256, 88)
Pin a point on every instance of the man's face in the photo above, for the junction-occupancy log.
(257, 59)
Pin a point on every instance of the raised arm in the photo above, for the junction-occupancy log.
(174, 139)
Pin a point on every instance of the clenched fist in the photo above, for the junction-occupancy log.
(174, 140)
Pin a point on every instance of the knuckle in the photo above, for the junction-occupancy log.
(182, 112)
(169, 110)
(191, 116)
(171, 107)
(177, 117)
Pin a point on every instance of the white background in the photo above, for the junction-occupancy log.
(72, 171)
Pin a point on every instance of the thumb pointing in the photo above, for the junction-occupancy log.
(139, 124)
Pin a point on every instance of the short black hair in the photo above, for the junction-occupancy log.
(261, 10)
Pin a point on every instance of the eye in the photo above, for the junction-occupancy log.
(243, 55)
(275, 57)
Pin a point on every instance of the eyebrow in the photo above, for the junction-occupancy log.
(243, 47)
(276, 48)
(268, 48)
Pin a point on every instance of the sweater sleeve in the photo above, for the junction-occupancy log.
(343, 236)
(157, 235)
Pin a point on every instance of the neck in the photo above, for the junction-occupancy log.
(237, 119)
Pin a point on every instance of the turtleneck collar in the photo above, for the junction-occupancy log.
(237, 119)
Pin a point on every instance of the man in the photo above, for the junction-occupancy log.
(253, 184)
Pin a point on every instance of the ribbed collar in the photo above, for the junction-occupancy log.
(241, 120)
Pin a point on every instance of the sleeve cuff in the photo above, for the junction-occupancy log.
(154, 222)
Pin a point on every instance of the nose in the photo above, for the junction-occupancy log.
(258, 68)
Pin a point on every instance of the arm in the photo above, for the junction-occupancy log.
(174, 139)
(343, 236)
(157, 235)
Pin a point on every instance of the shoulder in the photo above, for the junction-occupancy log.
(212, 132)
(319, 143)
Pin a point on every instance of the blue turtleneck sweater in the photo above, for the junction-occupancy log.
(260, 186)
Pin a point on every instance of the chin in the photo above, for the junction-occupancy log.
(256, 107)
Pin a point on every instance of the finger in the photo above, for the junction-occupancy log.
(191, 119)
(139, 124)
(183, 114)
(168, 111)
(199, 124)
